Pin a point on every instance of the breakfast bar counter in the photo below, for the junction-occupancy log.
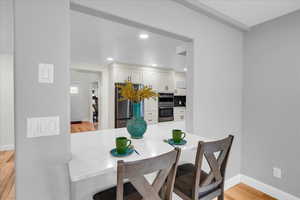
(92, 167)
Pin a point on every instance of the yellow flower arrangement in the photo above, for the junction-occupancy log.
(128, 92)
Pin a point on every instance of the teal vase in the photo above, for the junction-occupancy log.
(136, 126)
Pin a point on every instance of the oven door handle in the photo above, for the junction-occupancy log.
(166, 107)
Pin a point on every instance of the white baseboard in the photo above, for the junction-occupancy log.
(232, 181)
(9, 147)
(270, 190)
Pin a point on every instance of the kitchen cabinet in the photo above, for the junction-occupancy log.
(179, 113)
(180, 80)
(165, 82)
(121, 75)
(124, 74)
(180, 92)
(151, 111)
(136, 76)
(150, 79)
(160, 80)
(151, 104)
(151, 121)
(151, 117)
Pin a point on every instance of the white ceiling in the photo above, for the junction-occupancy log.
(253, 12)
(94, 39)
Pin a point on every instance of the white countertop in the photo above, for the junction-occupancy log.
(91, 150)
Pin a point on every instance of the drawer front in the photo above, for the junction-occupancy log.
(179, 110)
(179, 117)
(149, 115)
(151, 121)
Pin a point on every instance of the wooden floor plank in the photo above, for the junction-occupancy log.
(7, 175)
(84, 127)
(245, 192)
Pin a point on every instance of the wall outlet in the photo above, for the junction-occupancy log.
(277, 172)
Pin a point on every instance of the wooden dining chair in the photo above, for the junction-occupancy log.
(138, 187)
(193, 183)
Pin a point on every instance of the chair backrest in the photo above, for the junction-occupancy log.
(216, 176)
(165, 165)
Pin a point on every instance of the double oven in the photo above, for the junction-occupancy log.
(165, 107)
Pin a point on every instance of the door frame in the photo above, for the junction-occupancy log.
(103, 97)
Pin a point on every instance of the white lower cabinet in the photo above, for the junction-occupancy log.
(151, 104)
(151, 117)
(151, 111)
(179, 113)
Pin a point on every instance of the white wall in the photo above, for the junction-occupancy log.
(272, 103)
(215, 82)
(6, 103)
(6, 76)
(6, 27)
(80, 103)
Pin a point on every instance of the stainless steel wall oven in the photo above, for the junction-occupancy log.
(165, 107)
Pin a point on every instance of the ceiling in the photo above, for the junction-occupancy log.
(93, 40)
(252, 12)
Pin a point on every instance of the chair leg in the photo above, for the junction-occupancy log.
(221, 197)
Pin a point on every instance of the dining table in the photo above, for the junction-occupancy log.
(92, 168)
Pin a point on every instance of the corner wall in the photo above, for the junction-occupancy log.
(271, 104)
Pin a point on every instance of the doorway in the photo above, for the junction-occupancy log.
(85, 100)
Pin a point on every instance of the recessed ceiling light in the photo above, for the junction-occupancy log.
(154, 65)
(144, 36)
(185, 69)
(109, 59)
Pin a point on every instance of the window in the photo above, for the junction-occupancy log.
(74, 90)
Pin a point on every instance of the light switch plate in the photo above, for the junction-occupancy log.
(46, 73)
(277, 172)
(43, 126)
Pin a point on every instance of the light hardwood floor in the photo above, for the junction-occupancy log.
(245, 192)
(7, 183)
(84, 127)
(7, 175)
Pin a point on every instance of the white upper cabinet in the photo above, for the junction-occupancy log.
(121, 75)
(150, 79)
(165, 82)
(126, 74)
(180, 80)
(136, 76)
(158, 79)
